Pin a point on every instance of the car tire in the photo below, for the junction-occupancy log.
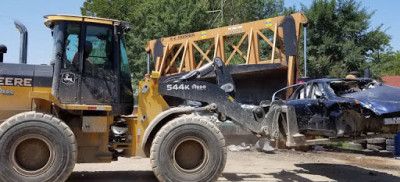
(361, 141)
(188, 148)
(390, 148)
(36, 147)
(355, 146)
(376, 140)
(389, 141)
(375, 147)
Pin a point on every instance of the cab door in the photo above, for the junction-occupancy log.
(99, 78)
(67, 36)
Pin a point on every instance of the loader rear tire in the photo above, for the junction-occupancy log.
(188, 148)
(36, 147)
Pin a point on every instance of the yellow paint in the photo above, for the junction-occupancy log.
(42, 89)
(268, 22)
(53, 18)
(203, 35)
(18, 100)
(231, 99)
(51, 98)
(150, 104)
(16, 103)
(155, 74)
(132, 125)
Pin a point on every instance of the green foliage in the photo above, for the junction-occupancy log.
(240, 11)
(340, 39)
(385, 64)
(152, 19)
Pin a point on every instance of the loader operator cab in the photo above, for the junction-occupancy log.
(90, 62)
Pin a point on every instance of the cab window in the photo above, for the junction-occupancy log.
(97, 52)
(71, 54)
(124, 58)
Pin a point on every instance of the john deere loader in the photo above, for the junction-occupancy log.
(79, 108)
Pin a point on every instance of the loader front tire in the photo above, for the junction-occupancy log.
(188, 148)
(36, 147)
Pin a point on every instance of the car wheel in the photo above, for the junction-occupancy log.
(389, 141)
(376, 140)
(390, 148)
(375, 147)
(355, 146)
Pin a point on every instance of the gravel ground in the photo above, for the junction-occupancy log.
(282, 165)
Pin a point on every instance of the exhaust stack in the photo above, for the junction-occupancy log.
(23, 52)
(3, 49)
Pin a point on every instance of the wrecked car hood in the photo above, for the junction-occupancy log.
(381, 99)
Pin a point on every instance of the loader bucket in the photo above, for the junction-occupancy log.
(255, 83)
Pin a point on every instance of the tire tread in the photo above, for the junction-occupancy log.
(182, 120)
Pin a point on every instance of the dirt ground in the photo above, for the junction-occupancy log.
(282, 165)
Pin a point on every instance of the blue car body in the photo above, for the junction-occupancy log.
(337, 107)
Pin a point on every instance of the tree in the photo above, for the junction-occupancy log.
(385, 64)
(152, 19)
(240, 11)
(339, 38)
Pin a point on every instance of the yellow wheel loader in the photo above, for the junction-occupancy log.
(79, 109)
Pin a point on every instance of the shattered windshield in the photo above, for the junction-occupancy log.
(341, 87)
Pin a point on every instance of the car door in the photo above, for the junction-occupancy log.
(299, 100)
(309, 103)
(316, 104)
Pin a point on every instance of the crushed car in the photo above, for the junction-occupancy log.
(341, 107)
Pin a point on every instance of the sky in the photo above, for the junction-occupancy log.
(386, 13)
(31, 12)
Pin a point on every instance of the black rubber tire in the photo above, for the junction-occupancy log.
(173, 134)
(363, 141)
(355, 146)
(375, 147)
(390, 148)
(376, 140)
(46, 128)
(389, 141)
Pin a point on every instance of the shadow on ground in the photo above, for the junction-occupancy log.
(113, 176)
(367, 153)
(335, 172)
(342, 172)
